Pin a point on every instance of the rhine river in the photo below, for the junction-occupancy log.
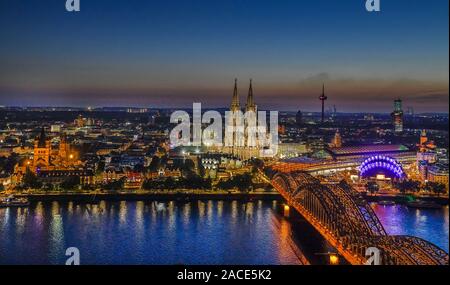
(209, 232)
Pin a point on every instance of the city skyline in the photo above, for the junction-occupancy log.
(224, 140)
(169, 55)
(311, 108)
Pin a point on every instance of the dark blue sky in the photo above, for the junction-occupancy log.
(171, 53)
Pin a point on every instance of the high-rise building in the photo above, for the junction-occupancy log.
(299, 118)
(397, 116)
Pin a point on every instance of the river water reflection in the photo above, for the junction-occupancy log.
(209, 232)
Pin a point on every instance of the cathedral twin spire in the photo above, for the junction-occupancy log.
(235, 102)
(235, 105)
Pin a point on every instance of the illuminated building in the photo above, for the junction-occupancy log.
(133, 180)
(53, 165)
(423, 138)
(288, 150)
(281, 129)
(80, 121)
(41, 151)
(423, 170)
(233, 122)
(438, 173)
(6, 151)
(164, 173)
(55, 128)
(65, 155)
(359, 153)
(397, 116)
(86, 176)
(427, 158)
(346, 159)
(369, 117)
(137, 110)
(337, 140)
(381, 166)
(214, 165)
(425, 145)
(242, 146)
(427, 149)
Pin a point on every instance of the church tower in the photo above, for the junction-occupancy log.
(251, 123)
(235, 106)
(241, 135)
(233, 133)
(42, 149)
(423, 138)
(250, 106)
(337, 141)
(64, 150)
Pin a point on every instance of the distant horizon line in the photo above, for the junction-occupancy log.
(78, 108)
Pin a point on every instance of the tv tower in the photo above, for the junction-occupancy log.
(323, 98)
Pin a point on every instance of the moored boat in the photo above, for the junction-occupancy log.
(386, 203)
(423, 204)
(12, 201)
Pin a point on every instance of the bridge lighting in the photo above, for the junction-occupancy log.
(334, 259)
(420, 251)
(286, 210)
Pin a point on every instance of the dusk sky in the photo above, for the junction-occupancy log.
(173, 53)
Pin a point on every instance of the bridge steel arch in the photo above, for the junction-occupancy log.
(347, 221)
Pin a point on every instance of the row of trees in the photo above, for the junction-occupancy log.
(416, 186)
(411, 186)
(31, 181)
(437, 188)
(191, 182)
(7, 163)
(243, 182)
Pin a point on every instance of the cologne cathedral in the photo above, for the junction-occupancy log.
(240, 140)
